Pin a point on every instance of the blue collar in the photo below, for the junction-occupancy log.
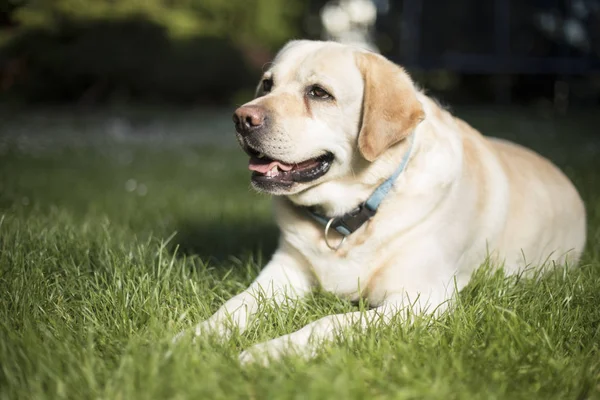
(351, 221)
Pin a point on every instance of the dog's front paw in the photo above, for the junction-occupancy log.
(261, 354)
(212, 328)
(249, 356)
(273, 350)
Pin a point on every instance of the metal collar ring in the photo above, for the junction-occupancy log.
(334, 248)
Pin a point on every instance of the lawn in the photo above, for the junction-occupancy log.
(108, 249)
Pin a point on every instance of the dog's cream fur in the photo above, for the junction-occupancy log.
(462, 198)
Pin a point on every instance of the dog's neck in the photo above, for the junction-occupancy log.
(335, 198)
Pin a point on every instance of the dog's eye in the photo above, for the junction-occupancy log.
(267, 85)
(318, 93)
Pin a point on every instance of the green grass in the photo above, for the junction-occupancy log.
(107, 252)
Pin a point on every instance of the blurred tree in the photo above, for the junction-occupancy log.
(270, 22)
(174, 50)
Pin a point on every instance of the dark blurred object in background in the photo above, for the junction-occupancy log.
(501, 50)
(212, 51)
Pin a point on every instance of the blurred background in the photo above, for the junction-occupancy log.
(540, 53)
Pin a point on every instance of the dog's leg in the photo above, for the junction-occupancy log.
(284, 277)
(306, 341)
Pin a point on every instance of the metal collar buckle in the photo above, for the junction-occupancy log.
(348, 223)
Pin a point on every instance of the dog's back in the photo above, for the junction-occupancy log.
(546, 220)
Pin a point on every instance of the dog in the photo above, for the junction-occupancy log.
(380, 194)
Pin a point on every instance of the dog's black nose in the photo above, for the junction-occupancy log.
(248, 119)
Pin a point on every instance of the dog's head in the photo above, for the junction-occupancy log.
(322, 111)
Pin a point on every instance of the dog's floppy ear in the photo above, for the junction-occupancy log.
(390, 106)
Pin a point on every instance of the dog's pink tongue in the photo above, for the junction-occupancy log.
(263, 168)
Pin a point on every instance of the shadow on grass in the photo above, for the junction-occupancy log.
(220, 240)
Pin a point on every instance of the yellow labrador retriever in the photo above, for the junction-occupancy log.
(383, 195)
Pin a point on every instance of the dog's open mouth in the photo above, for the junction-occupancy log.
(266, 169)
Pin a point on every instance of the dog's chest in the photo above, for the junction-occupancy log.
(345, 272)
(346, 277)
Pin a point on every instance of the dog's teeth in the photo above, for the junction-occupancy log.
(261, 155)
(273, 171)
